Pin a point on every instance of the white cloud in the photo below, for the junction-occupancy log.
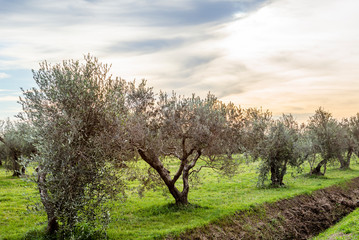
(4, 75)
(9, 98)
(304, 52)
(288, 56)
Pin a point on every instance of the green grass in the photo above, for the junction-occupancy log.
(347, 228)
(154, 215)
(15, 219)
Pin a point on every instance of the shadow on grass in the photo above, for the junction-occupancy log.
(315, 176)
(80, 234)
(169, 208)
(38, 235)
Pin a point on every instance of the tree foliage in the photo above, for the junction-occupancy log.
(72, 112)
(325, 132)
(278, 149)
(348, 140)
(235, 131)
(14, 144)
(255, 126)
(186, 129)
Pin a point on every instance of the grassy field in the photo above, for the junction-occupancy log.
(347, 228)
(154, 214)
(15, 196)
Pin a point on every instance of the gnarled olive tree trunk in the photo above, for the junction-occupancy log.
(18, 170)
(345, 161)
(181, 197)
(277, 175)
(317, 169)
(52, 224)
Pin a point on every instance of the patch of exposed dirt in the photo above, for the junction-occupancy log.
(301, 217)
(342, 236)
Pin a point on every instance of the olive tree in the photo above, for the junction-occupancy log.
(325, 132)
(184, 130)
(307, 147)
(235, 132)
(255, 126)
(278, 149)
(14, 144)
(354, 128)
(76, 111)
(348, 140)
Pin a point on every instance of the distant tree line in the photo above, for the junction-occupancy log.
(82, 130)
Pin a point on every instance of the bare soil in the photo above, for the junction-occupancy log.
(301, 217)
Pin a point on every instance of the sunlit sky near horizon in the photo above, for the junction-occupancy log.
(288, 56)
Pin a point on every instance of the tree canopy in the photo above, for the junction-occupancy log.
(186, 129)
(72, 111)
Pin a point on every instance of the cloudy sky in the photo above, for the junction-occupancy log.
(290, 56)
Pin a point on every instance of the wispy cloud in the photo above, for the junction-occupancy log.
(147, 45)
(285, 55)
(4, 75)
(36, 30)
(9, 98)
(308, 51)
(7, 90)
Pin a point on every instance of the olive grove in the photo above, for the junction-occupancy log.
(81, 128)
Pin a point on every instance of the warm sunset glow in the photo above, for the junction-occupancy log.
(288, 56)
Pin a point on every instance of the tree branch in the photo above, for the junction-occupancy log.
(179, 172)
(194, 161)
(199, 169)
(184, 154)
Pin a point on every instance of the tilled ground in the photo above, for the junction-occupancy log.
(301, 217)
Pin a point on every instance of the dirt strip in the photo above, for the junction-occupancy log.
(301, 217)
